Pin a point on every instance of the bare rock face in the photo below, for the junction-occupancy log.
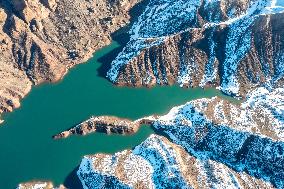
(236, 45)
(30, 9)
(14, 82)
(159, 163)
(106, 124)
(41, 39)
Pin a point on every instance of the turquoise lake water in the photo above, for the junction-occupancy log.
(28, 151)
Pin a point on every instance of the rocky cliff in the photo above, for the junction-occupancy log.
(41, 39)
(235, 45)
(251, 142)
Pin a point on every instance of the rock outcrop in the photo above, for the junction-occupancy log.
(235, 45)
(41, 39)
(108, 125)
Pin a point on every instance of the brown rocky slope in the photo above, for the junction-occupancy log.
(41, 39)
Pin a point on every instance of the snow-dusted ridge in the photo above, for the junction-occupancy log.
(248, 139)
(158, 163)
(260, 114)
(164, 21)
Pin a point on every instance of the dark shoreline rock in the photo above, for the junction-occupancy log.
(106, 124)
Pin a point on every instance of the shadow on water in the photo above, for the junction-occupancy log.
(122, 37)
(137, 10)
(72, 181)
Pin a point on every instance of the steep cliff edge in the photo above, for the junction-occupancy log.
(41, 39)
(235, 45)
